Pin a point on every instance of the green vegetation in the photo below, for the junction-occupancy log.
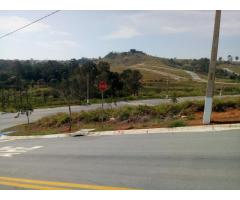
(164, 77)
(177, 123)
(29, 84)
(128, 117)
(57, 83)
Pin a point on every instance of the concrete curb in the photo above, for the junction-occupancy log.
(35, 136)
(84, 132)
(196, 129)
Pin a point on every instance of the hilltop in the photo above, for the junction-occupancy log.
(152, 68)
(156, 68)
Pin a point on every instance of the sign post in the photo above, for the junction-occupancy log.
(102, 86)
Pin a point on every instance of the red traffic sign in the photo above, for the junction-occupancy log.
(102, 86)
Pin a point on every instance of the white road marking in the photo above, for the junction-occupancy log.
(9, 151)
(6, 140)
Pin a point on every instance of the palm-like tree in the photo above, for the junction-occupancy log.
(230, 58)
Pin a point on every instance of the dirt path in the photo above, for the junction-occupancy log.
(172, 76)
(195, 76)
(230, 71)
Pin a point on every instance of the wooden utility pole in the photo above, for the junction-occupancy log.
(211, 73)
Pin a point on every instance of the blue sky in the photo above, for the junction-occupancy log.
(76, 34)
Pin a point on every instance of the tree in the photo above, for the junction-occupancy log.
(200, 65)
(84, 79)
(115, 84)
(132, 81)
(3, 99)
(236, 58)
(65, 89)
(220, 59)
(25, 107)
(230, 58)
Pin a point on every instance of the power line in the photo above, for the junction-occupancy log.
(25, 26)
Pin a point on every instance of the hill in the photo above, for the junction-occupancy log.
(181, 70)
(152, 68)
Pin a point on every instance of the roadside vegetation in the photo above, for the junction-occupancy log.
(130, 117)
(29, 84)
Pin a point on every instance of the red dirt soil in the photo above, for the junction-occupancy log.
(229, 116)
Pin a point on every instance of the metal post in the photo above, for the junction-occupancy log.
(167, 87)
(221, 91)
(102, 109)
(211, 72)
(87, 88)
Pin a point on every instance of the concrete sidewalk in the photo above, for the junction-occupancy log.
(91, 132)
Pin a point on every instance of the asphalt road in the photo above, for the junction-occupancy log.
(157, 161)
(7, 119)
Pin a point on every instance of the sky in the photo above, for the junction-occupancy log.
(76, 34)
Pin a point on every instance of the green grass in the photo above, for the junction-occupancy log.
(177, 123)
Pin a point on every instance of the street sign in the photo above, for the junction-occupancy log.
(102, 86)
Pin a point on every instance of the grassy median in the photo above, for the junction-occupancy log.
(226, 110)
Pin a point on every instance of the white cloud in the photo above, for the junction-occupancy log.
(10, 23)
(58, 44)
(59, 33)
(170, 22)
(66, 43)
(123, 32)
(174, 22)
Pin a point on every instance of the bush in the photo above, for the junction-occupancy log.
(94, 116)
(124, 113)
(174, 98)
(145, 110)
(220, 105)
(56, 120)
(62, 119)
(177, 123)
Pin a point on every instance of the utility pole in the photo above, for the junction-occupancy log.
(211, 72)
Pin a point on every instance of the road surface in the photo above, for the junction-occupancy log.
(208, 160)
(7, 120)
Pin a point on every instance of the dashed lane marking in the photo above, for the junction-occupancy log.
(9, 151)
(6, 140)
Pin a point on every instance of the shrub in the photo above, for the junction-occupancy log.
(220, 105)
(140, 113)
(174, 98)
(177, 123)
(62, 119)
(94, 116)
(124, 113)
(145, 110)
